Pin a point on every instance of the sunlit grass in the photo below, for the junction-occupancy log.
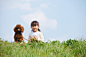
(69, 48)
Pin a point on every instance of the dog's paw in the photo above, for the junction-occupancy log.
(21, 43)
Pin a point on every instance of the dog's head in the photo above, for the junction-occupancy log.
(18, 28)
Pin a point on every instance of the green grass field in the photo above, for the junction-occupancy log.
(69, 48)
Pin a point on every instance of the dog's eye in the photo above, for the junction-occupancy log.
(16, 28)
(19, 28)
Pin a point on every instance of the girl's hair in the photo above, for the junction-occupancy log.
(35, 23)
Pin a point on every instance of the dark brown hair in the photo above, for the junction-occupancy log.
(18, 26)
(35, 23)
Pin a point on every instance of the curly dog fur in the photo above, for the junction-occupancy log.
(18, 29)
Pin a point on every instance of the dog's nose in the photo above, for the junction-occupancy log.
(18, 29)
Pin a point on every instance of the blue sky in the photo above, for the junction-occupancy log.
(58, 19)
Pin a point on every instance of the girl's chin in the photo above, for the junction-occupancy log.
(34, 30)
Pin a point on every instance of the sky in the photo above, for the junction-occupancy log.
(58, 19)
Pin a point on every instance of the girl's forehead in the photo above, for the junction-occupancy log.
(35, 26)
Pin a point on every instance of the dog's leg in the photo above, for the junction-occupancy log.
(21, 40)
(16, 41)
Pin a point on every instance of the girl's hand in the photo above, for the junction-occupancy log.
(35, 37)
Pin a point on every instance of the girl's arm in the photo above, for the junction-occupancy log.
(41, 37)
(29, 37)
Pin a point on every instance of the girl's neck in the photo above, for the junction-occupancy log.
(35, 31)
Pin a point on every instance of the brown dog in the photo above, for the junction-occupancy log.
(18, 37)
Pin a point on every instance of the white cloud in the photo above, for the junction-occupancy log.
(44, 5)
(43, 20)
(24, 6)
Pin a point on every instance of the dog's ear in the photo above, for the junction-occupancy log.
(14, 29)
(22, 29)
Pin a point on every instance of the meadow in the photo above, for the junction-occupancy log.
(69, 48)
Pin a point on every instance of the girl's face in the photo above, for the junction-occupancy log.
(35, 28)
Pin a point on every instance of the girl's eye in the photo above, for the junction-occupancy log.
(33, 26)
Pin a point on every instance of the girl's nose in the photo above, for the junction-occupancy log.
(34, 27)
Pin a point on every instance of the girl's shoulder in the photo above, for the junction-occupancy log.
(40, 32)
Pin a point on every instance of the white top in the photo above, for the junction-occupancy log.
(37, 34)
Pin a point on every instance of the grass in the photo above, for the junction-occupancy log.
(69, 48)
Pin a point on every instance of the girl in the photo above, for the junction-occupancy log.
(36, 33)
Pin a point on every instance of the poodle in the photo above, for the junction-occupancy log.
(18, 29)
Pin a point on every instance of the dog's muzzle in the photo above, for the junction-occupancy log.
(18, 29)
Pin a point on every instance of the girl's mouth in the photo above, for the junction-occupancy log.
(34, 28)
